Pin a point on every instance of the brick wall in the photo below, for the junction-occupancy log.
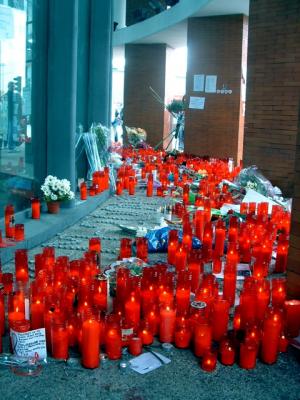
(215, 48)
(273, 88)
(272, 130)
(145, 66)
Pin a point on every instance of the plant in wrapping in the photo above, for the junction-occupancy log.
(55, 189)
(102, 134)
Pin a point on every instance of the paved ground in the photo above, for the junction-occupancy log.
(182, 378)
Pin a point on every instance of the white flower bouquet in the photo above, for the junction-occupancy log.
(55, 189)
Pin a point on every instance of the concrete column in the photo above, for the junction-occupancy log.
(100, 62)
(215, 47)
(120, 13)
(62, 75)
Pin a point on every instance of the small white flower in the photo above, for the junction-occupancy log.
(53, 197)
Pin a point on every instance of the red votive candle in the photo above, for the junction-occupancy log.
(100, 285)
(202, 338)
(21, 265)
(209, 361)
(167, 324)
(125, 248)
(195, 267)
(2, 310)
(60, 340)
(227, 353)
(219, 239)
(135, 346)
(146, 334)
(172, 246)
(248, 353)
(183, 333)
(113, 339)
(37, 309)
(83, 191)
(90, 343)
(180, 258)
(132, 311)
(35, 209)
(292, 317)
(278, 292)
(270, 337)
(19, 232)
(219, 318)
(119, 187)
(95, 244)
(142, 248)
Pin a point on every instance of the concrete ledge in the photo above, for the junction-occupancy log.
(39, 231)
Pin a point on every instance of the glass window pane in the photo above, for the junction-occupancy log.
(16, 161)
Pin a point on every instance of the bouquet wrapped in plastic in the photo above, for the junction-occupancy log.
(136, 137)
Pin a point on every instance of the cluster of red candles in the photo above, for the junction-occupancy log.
(100, 183)
(71, 298)
(12, 231)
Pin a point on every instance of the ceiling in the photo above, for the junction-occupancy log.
(176, 36)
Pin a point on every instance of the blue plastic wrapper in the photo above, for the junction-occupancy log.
(158, 240)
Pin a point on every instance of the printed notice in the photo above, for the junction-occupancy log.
(199, 83)
(29, 344)
(197, 103)
(211, 84)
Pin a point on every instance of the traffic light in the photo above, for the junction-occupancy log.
(18, 83)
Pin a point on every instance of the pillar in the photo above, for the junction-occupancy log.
(145, 67)
(215, 47)
(62, 75)
(100, 62)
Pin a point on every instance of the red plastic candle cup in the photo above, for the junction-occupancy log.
(135, 346)
(152, 319)
(95, 244)
(21, 265)
(90, 343)
(146, 334)
(227, 353)
(149, 191)
(19, 232)
(83, 191)
(248, 354)
(195, 267)
(119, 187)
(113, 339)
(167, 324)
(292, 317)
(183, 333)
(283, 343)
(172, 246)
(125, 248)
(100, 289)
(35, 209)
(2, 310)
(202, 338)
(219, 240)
(7, 280)
(37, 310)
(270, 337)
(180, 258)
(131, 186)
(142, 248)
(60, 341)
(209, 361)
(132, 311)
(278, 292)
(219, 318)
